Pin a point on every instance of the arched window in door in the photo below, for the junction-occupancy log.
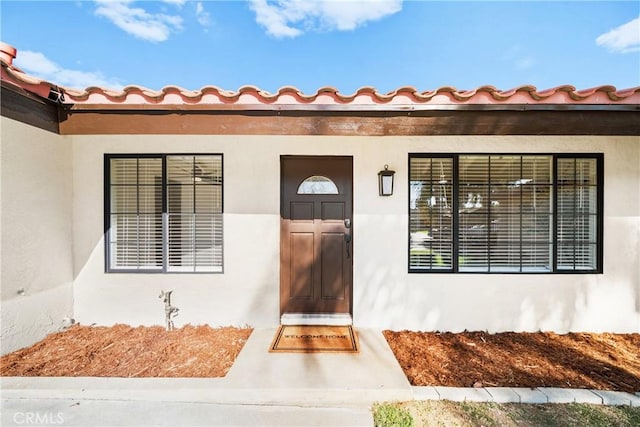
(317, 184)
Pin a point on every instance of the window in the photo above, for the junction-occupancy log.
(431, 219)
(578, 214)
(505, 213)
(317, 185)
(163, 213)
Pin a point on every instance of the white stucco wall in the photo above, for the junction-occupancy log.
(389, 297)
(385, 295)
(36, 233)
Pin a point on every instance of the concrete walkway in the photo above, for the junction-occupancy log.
(261, 389)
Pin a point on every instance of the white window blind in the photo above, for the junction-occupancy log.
(136, 214)
(505, 212)
(431, 220)
(512, 213)
(165, 213)
(577, 214)
(194, 193)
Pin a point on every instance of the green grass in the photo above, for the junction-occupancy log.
(471, 414)
(391, 415)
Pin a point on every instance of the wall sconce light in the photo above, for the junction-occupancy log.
(385, 181)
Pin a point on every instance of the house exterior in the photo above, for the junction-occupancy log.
(511, 210)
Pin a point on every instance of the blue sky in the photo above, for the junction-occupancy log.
(311, 44)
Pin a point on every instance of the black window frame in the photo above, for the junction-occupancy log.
(599, 157)
(107, 211)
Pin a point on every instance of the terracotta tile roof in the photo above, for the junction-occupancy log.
(406, 97)
(248, 95)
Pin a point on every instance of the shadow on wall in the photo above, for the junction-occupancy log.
(29, 318)
(394, 299)
(245, 294)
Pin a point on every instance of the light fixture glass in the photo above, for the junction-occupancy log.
(385, 181)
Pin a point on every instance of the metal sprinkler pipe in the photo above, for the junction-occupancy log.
(169, 310)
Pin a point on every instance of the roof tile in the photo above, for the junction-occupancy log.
(324, 96)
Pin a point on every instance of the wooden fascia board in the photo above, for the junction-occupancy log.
(26, 107)
(339, 120)
(346, 108)
(350, 123)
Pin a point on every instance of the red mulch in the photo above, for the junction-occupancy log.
(575, 360)
(125, 351)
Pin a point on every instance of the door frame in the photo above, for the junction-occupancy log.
(283, 229)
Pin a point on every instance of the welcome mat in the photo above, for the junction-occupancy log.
(315, 339)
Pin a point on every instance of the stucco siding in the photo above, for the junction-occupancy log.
(36, 257)
(385, 294)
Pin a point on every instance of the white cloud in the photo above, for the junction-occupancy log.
(622, 39)
(349, 15)
(273, 19)
(154, 27)
(202, 15)
(38, 65)
(290, 18)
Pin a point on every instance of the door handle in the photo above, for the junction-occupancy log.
(347, 236)
(347, 239)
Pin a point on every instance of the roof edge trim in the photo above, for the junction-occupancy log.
(408, 108)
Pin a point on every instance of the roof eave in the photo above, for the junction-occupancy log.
(358, 108)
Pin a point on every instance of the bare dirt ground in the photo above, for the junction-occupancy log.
(600, 361)
(575, 360)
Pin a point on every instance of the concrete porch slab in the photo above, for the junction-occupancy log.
(373, 374)
(256, 378)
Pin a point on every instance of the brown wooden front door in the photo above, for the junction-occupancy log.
(316, 235)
